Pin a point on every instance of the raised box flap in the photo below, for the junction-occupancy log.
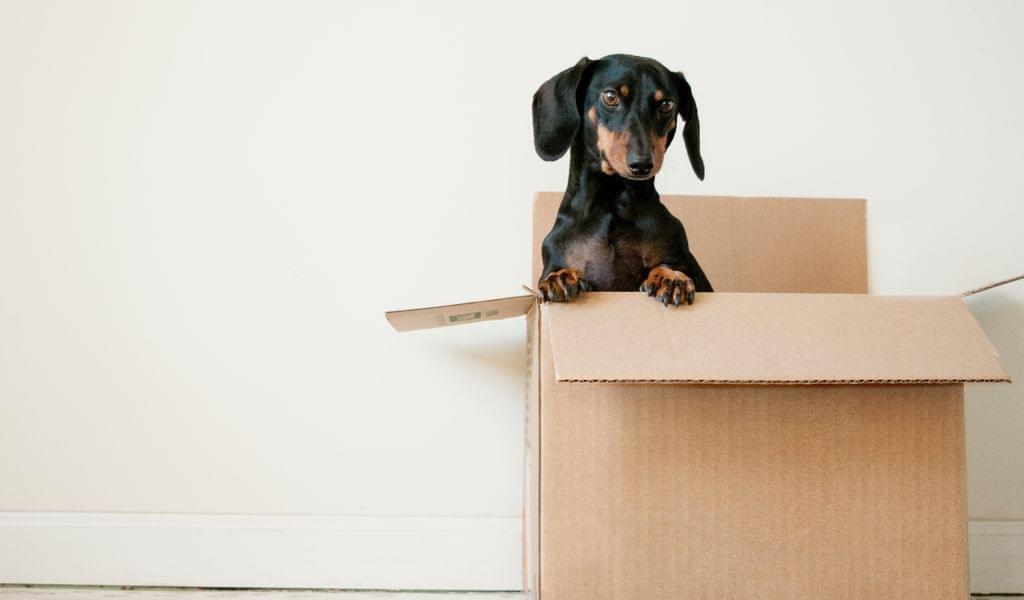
(770, 338)
(806, 245)
(459, 314)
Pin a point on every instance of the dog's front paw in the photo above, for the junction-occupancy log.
(669, 286)
(562, 285)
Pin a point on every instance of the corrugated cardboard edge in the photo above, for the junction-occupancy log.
(448, 315)
(396, 317)
(994, 284)
(531, 471)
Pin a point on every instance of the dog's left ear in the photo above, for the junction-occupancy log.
(691, 131)
(556, 114)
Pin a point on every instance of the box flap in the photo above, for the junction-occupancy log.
(806, 245)
(994, 284)
(770, 338)
(459, 314)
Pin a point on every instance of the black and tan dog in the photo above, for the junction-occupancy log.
(618, 116)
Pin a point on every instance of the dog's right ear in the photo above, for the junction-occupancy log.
(556, 115)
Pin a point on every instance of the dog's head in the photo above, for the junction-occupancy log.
(625, 108)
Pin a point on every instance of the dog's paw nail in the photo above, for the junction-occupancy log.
(560, 286)
(668, 286)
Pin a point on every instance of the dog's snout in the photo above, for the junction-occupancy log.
(640, 166)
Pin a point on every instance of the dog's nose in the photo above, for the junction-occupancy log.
(640, 166)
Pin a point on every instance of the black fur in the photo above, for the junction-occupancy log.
(612, 232)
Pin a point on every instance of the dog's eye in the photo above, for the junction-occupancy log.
(666, 107)
(610, 98)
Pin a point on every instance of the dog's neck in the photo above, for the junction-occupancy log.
(589, 188)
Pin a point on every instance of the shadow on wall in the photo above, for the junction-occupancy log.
(494, 351)
(504, 358)
(993, 460)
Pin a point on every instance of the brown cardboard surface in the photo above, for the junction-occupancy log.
(806, 245)
(459, 314)
(667, 491)
(671, 491)
(770, 338)
(662, 492)
(531, 446)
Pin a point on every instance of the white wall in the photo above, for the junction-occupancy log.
(206, 206)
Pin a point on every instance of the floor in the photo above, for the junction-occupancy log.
(97, 593)
(75, 593)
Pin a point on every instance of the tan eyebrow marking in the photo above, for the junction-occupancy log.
(658, 94)
(624, 89)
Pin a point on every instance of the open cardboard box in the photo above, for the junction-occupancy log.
(788, 436)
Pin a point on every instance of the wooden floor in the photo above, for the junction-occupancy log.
(74, 593)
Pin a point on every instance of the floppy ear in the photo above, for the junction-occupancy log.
(556, 114)
(691, 131)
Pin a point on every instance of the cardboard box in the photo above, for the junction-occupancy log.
(788, 436)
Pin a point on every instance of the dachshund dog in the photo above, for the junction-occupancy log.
(618, 116)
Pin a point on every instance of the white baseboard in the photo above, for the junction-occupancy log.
(414, 553)
(997, 556)
(420, 553)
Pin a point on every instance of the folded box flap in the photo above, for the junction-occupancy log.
(459, 314)
(770, 338)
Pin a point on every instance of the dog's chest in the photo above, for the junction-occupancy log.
(611, 255)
